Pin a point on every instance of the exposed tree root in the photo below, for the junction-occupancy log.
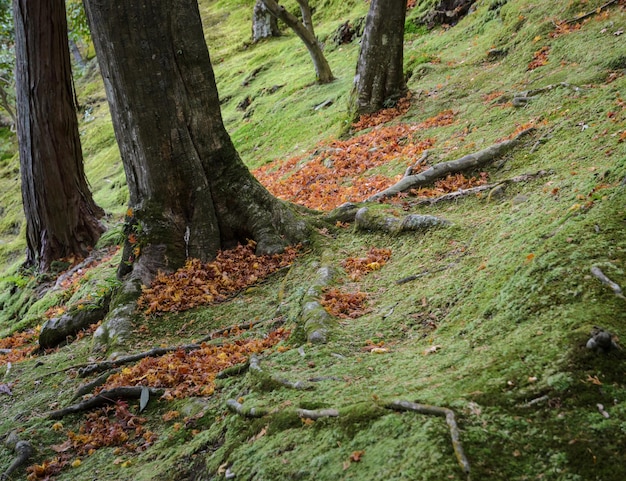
(238, 408)
(233, 370)
(366, 219)
(592, 12)
(396, 405)
(522, 98)
(23, 451)
(90, 386)
(105, 397)
(399, 405)
(597, 272)
(85, 370)
(467, 162)
(481, 188)
(316, 320)
(273, 379)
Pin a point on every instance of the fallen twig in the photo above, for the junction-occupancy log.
(597, 272)
(424, 273)
(105, 397)
(469, 161)
(409, 170)
(399, 405)
(592, 12)
(255, 368)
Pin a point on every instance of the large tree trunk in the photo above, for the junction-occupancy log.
(264, 24)
(61, 216)
(190, 193)
(379, 74)
(306, 34)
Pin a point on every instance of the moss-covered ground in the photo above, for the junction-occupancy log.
(494, 327)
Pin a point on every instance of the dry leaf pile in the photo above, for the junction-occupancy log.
(540, 58)
(385, 115)
(110, 426)
(451, 183)
(338, 173)
(356, 267)
(199, 283)
(345, 305)
(192, 373)
(21, 345)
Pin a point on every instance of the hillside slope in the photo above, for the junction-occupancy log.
(488, 317)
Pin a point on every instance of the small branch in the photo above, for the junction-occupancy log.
(255, 369)
(424, 273)
(437, 171)
(399, 405)
(105, 397)
(592, 12)
(418, 162)
(597, 272)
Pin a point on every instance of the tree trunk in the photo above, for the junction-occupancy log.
(379, 73)
(264, 24)
(322, 68)
(190, 193)
(61, 216)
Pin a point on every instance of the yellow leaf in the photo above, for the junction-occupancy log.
(57, 426)
(76, 463)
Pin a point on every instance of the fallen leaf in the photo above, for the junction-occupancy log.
(432, 349)
(356, 456)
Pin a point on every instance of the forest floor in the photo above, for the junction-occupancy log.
(486, 319)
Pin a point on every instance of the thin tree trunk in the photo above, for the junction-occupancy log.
(61, 216)
(379, 74)
(322, 68)
(264, 24)
(190, 193)
(307, 19)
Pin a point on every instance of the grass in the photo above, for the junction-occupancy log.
(507, 318)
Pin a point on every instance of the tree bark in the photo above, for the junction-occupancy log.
(264, 24)
(61, 216)
(379, 74)
(190, 193)
(306, 34)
